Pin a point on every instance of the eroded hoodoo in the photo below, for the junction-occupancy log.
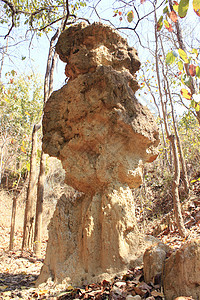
(103, 136)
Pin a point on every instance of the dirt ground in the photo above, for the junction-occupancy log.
(19, 271)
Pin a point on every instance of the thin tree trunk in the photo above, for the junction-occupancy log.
(12, 228)
(180, 150)
(1, 162)
(175, 189)
(48, 88)
(48, 80)
(175, 185)
(161, 126)
(31, 194)
(39, 207)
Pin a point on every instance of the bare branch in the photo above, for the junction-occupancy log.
(10, 4)
(50, 24)
(14, 11)
(106, 20)
(49, 64)
(68, 23)
(67, 16)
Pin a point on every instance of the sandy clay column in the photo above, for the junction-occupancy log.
(101, 133)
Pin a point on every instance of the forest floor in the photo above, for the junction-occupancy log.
(19, 271)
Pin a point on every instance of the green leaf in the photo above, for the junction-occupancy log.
(165, 10)
(175, 7)
(130, 16)
(170, 58)
(183, 8)
(166, 23)
(183, 55)
(192, 181)
(180, 65)
(13, 72)
(160, 23)
(186, 94)
(193, 103)
(195, 50)
(28, 166)
(196, 7)
(149, 208)
(198, 71)
(186, 80)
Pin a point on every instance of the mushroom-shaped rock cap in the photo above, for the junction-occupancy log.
(94, 124)
(84, 48)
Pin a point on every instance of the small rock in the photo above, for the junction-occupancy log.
(183, 298)
(117, 291)
(153, 259)
(120, 284)
(183, 267)
(136, 297)
(197, 216)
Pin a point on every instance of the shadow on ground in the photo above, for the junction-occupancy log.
(10, 282)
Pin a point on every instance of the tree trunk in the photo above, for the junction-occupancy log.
(39, 207)
(12, 229)
(48, 88)
(175, 189)
(166, 160)
(176, 180)
(1, 162)
(182, 160)
(31, 194)
(180, 150)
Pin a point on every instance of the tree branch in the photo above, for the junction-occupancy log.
(14, 11)
(67, 16)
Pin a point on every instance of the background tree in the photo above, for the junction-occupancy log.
(21, 103)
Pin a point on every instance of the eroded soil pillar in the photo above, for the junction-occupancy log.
(103, 136)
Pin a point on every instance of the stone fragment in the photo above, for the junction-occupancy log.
(184, 298)
(136, 297)
(120, 284)
(153, 260)
(181, 273)
(197, 216)
(103, 136)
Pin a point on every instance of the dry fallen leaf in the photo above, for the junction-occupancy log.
(157, 294)
(42, 292)
(3, 287)
(173, 16)
(183, 298)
